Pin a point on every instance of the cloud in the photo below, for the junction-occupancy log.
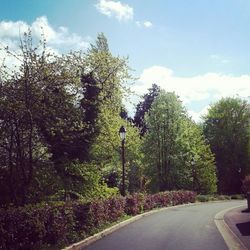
(145, 24)
(197, 116)
(59, 39)
(120, 11)
(195, 89)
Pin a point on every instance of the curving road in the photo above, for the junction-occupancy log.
(189, 227)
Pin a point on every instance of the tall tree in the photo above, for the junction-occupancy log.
(49, 112)
(163, 121)
(227, 127)
(110, 74)
(196, 163)
(143, 107)
(176, 154)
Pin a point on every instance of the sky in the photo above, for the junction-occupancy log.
(198, 49)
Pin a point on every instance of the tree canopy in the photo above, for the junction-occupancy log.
(59, 122)
(227, 129)
(177, 155)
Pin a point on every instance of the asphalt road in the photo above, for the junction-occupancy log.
(190, 227)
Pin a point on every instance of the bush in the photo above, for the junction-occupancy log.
(237, 197)
(203, 198)
(59, 224)
(31, 226)
(134, 204)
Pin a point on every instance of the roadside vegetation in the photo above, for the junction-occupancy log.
(60, 151)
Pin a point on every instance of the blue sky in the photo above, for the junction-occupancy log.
(199, 49)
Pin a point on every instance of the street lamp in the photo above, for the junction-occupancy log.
(122, 132)
(193, 172)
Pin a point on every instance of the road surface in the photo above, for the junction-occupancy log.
(189, 227)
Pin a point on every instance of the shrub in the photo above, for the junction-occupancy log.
(202, 198)
(134, 204)
(59, 224)
(163, 199)
(149, 203)
(237, 197)
(116, 208)
(31, 226)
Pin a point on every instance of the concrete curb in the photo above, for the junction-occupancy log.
(232, 241)
(82, 244)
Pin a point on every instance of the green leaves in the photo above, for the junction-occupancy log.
(175, 151)
(227, 127)
(51, 112)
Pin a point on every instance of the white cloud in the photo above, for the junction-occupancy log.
(206, 87)
(197, 116)
(120, 11)
(145, 24)
(59, 40)
(12, 29)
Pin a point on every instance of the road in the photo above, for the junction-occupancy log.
(189, 227)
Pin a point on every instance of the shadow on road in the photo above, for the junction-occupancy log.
(244, 228)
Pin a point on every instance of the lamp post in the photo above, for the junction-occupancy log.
(122, 132)
(193, 172)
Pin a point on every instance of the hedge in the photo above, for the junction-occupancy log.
(46, 226)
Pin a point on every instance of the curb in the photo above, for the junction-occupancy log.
(230, 238)
(84, 243)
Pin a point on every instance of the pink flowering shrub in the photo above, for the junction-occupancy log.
(59, 224)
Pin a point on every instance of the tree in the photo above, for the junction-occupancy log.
(196, 163)
(49, 112)
(163, 121)
(226, 127)
(176, 154)
(40, 119)
(106, 151)
(143, 107)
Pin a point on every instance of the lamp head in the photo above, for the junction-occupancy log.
(122, 132)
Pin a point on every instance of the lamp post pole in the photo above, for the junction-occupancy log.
(123, 168)
(122, 132)
(192, 164)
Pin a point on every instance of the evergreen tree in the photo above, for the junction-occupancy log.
(143, 107)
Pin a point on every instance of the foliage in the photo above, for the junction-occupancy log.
(237, 197)
(49, 110)
(206, 198)
(199, 173)
(160, 145)
(177, 156)
(143, 107)
(87, 184)
(106, 151)
(246, 184)
(56, 225)
(227, 129)
(31, 227)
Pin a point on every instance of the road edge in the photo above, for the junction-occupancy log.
(84, 243)
(231, 239)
